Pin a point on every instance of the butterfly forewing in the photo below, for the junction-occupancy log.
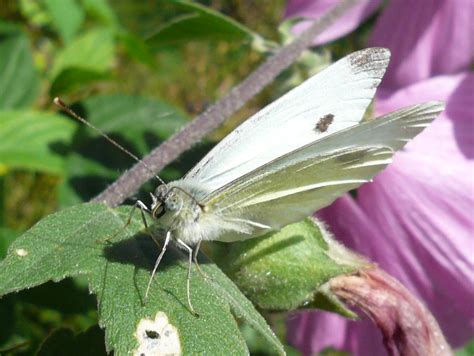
(332, 100)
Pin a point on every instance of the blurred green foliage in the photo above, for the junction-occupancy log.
(138, 70)
(80, 49)
(109, 60)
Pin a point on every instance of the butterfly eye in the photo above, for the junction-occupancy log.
(158, 211)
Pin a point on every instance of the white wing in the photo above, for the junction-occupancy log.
(295, 185)
(341, 93)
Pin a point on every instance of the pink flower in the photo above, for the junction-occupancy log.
(427, 38)
(416, 220)
(314, 9)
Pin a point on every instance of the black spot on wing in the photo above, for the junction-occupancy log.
(324, 122)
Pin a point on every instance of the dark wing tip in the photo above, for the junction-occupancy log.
(373, 59)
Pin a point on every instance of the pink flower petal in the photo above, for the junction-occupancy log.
(312, 331)
(426, 38)
(416, 220)
(424, 201)
(314, 9)
(425, 240)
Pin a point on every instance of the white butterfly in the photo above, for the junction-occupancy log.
(295, 156)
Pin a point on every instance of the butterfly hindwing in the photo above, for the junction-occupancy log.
(295, 185)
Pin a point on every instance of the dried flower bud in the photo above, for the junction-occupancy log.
(407, 326)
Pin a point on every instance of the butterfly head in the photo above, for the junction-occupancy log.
(165, 199)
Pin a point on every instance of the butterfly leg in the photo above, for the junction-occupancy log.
(196, 251)
(143, 209)
(188, 282)
(158, 260)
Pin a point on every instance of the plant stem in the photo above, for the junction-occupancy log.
(127, 184)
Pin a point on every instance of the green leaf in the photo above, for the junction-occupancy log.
(9, 29)
(199, 23)
(85, 178)
(101, 10)
(67, 17)
(258, 345)
(133, 117)
(467, 350)
(28, 139)
(72, 79)
(93, 51)
(78, 241)
(19, 79)
(136, 48)
(90, 55)
(137, 123)
(34, 12)
(286, 269)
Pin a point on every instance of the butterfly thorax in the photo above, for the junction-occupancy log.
(180, 207)
(176, 208)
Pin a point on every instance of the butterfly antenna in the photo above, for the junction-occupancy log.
(69, 111)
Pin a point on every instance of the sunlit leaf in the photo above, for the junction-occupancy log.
(19, 80)
(85, 59)
(136, 48)
(101, 10)
(200, 23)
(71, 79)
(67, 17)
(77, 241)
(34, 12)
(31, 140)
